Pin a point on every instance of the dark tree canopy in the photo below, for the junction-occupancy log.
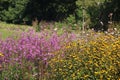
(16, 10)
(50, 9)
(115, 5)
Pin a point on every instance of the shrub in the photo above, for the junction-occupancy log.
(94, 59)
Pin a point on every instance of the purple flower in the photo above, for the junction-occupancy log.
(31, 45)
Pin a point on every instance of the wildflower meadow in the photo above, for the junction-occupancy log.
(47, 55)
(59, 39)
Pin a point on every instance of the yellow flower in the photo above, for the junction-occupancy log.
(70, 66)
(1, 54)
(108, 78)
(96, 73)
(96, 65)
(68, 47)
(60, 69)
(86, 76)
(103, 71)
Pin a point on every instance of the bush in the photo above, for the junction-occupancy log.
(94, 59)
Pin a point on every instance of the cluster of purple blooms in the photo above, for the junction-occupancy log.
(31, 45)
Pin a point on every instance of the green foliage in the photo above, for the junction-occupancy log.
(114, 7)
(50, 10)
(12, 10)
(70, 11)
(17, 10)
(10, 30)
(5, 33)
(71, 21)
(16, 71)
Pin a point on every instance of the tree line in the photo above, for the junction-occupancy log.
(18, 11)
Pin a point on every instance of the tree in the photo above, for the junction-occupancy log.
(17, 10)
(12, 10)
(115, 9)
(56, 10)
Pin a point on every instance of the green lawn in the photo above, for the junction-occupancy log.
(4, 33)
(7, 30)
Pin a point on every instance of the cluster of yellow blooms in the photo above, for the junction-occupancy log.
(1, 54)
(91, 60)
